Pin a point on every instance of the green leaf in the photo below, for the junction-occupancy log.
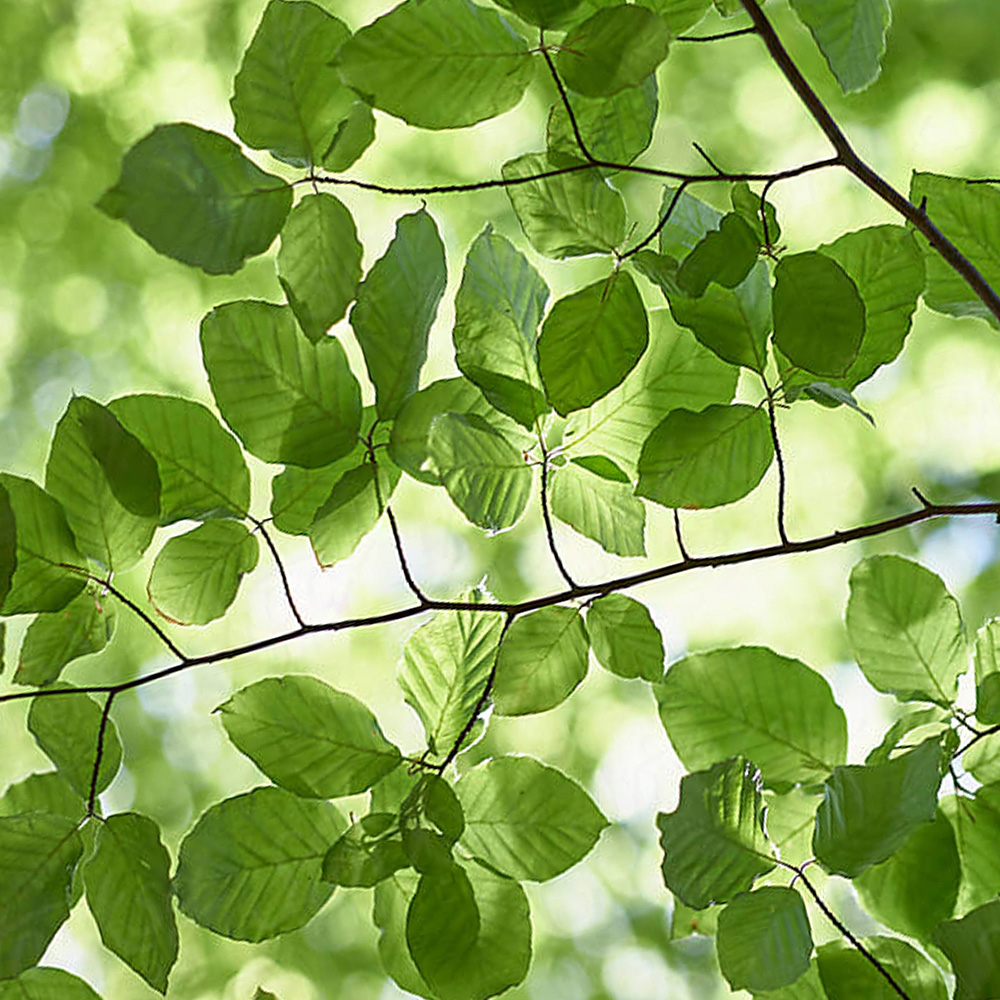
(567, 215)
(543, 13)
(600, 509)
(542, 659)
(286, 97)
(352, 509)
(497, 960)
(192, 195)
(129, 894)
(525, 819)
(286, 399)
(616, 48)
(363, 856)
(624, 638)
(987, 665)
(47, 792)
(685, 921)
(916, 888)
(202, 470)
(731, 322)
(679, 14)
(982, 759)
(764, 939)
(689, 223)
(819, 316)
(903, 726)
(848, 975)
(319, 263)
(590, 341)
(8, 556)
(438, 64)
(905, 630)
(411, 428)
(971, 947)
(445, 669)
(748, 204)
(976, 823)
(714, 844)
(351, 138)
(487, 478)
(396, 306)
(724, 255)
(807, 987)
(675, 372)
(830, 396)
(83, 627)
(705, 459)
(442, 808)
(44, 549)
(851, 36)
(497, 311)
(91, 460)
(791, 817)
(614, 129)
(38, 854)
(969, 215)
(751, 701)
(65, 727)
(250, 867)
(46, 984)
(308, 737)
(869, 810)
(197, 575)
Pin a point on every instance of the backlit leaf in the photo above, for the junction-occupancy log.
(46, 984)
(624, 637)
(971, 947)
(846, 973)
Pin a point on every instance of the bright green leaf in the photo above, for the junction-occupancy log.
(566, 215)
(83, 627)
(308, 737)
(847, 975)
(616, 48)
(724, 256)
(38, 854)
(971, 947)
(129, 894)
(286, 399)
(286, 97)
(396, 306)
(363, 857)
(905, 629)
(202, 470)
(250, 867)
(764, 940)
(624, 637)
(47, 792)
(192, 195)
(445, 668)
(497, 311)
(934, 717)
(65, 727)
(748, 204)
(916, 888)
(46, 984)
(438, 64)
(486, 477)
(714, 844)
(819, 316)
(706, 459)
(543, 657)
(319, 263)
(976, 824)
(351, 138)
(751, 701)
(851, 36)
(590, 341)
(197, 575)
(987, 665)
(869, 810)
(544, 13)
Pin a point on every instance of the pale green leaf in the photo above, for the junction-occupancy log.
(987, 666)
(250, 867)
(971, 947)
(197, 575)
(806, 987)
(706, 459)
(543, 657)
(286, 399)
(308, 737)
(395, 308)
(192, 195)
(363, 856)
(905, 630)
(976, 824)
(319, 262)
(526, 819)
(624, 637)
(689, 223)
(438, 64)
(771, 709)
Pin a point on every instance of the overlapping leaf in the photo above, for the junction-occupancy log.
(971, 947)
(624, 637)
(846, 974)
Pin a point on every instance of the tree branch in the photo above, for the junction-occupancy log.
(716, 38)
(286, 586)
(550, 535)
(102, 730)
(779, 460)
(564, 97)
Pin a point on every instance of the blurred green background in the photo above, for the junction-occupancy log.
(87, 307)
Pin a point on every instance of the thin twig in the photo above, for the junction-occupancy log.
(848, 158)
(401, 555)
(779, 460)
(716, 38)
(286, 586)
(981, 735)
(102, 730)
(550, 535)
(685, 557)
(664, 219)
(708, 159)
(564, 97)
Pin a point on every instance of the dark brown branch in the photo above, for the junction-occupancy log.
(550, 535)
(981, 735)
(286, 586)
(678, 534)
(102, 730)
(779, 461)
(657, 229)
(564, 97)
(401, 555)
(690, 564)
(716, 38)
(848, 158)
